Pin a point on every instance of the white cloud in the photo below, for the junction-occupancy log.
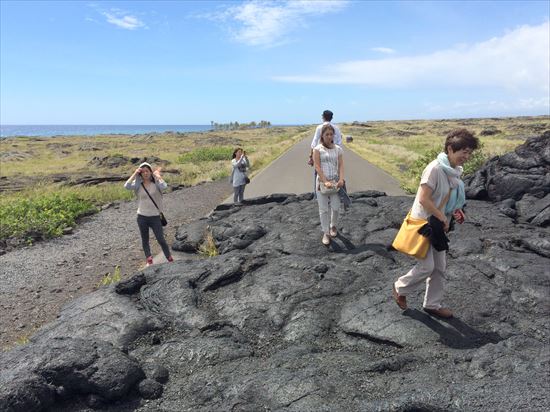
(533, 104)
(267, 23)
(385, 50)
(123, 20)
(517, 61)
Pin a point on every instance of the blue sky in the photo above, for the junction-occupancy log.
(140, 62)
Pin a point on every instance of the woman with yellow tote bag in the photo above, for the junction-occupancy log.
(440, 181)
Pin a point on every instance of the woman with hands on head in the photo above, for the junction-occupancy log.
(329, 165)
(148, 186)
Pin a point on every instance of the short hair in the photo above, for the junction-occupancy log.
(323, 130)
(459, 139)
(235, 152)
(327, 115)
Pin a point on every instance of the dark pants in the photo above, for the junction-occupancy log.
(153, 222)
(238, 193)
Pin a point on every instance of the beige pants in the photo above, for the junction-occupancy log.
(430, 269)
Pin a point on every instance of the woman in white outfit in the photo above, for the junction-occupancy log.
(329, 165)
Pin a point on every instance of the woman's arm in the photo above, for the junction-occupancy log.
(235, 163)
(426, 201)
(161, 184)
(340, 171)
(132, 183)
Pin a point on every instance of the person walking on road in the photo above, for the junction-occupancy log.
(440, 198)
(239, 179)
(148, 186)
(329, 165)
(327, 119)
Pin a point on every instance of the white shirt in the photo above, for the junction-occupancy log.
(146, 207)
(329, 160)
(317, 136)
(436, 179)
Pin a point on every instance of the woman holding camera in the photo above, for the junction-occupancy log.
(239, 179)
(329, 165)
(148, 186)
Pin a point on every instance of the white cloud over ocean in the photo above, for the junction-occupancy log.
(268, 23)
(517, 61)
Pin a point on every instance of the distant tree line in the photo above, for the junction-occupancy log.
(239, 126)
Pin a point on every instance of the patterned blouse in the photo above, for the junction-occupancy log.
(329, 160)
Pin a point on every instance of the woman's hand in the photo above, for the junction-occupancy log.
(440, 216)
(340, 183)
(328, 184)
(459, 216)
(156, 173)
(137, 171)
(445, 222)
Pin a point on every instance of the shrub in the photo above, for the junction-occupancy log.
(202, 154)
(42, 216)
(109, 279)
(414, 172)
(208, 247)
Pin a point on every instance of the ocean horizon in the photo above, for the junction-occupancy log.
(91, 130)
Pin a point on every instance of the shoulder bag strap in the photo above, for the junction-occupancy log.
(146, 191)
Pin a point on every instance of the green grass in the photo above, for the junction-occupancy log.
(401, 148)
(41, 216)
(208, 247)
(207, 154)
(109, 279)
(22, 340)
(43, 211)
(414, 172)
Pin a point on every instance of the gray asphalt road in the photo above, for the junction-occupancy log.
(290, 173)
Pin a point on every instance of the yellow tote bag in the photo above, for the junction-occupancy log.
(409, 241)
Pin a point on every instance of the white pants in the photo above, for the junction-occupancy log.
(430, 269)
(323, 201)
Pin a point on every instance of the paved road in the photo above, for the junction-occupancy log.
(291, 174)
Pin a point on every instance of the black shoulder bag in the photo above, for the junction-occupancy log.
(163, 220)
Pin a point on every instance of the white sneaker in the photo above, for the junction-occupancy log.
(326, 240)
(333, 231)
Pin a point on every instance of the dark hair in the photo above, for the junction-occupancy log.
(323, 130)
(151, 170)
(235, 152)
(327, 115)
(459, 139)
